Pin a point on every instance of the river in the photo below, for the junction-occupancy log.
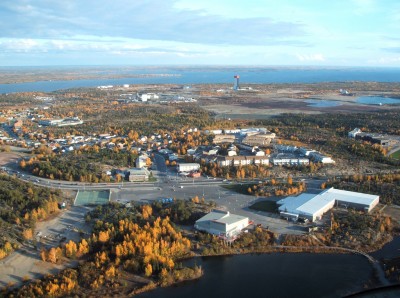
(274, 275)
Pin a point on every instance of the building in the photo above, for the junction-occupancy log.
(258, 139)
(138, 175)
(187, 167)
(148, 96)
(222, 223)
(227, 161)
(236, 82)
(306, 151)
(141, 161)
(49, 122)
(354, 132)
(219, 139)
(61, 122)
(318, 157)
(288, 159)
(313, 206)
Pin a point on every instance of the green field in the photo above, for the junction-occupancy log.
(266, 206)
(94, 197)
(396, 155)
(239, 188)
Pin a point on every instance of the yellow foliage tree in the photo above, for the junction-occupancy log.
(146, 211)
(148, 271)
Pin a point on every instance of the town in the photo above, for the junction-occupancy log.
(163, 158)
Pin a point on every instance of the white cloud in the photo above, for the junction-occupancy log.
(362, 7)
(310, 57)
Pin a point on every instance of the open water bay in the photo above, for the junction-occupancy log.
(274, 275)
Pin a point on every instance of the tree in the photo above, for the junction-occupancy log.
(148, 270)
(146, 211)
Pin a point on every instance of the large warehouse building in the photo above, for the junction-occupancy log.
(222, 223)
(313, 206)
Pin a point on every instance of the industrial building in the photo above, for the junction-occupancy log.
(138, 175)
(222, 223)
(259, 139)
(313, 206)
(187, 167)
(223, 138)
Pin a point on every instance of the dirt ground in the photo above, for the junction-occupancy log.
(9, 158)
(266, 105)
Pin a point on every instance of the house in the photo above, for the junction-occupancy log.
(222, 223)
(313, 206)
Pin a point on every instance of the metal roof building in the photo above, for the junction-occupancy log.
(313, 206)
(222, 223)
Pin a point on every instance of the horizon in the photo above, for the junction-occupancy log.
(211, 66)
(346, 33)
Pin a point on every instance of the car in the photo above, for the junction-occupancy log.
(37, 180)
(181, 186)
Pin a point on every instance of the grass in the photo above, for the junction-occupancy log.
(266, 206)
(396, 155)
(239, 188)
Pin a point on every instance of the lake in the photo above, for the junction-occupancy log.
(215, 75)
(377, 100)
(390, 250)
(274, 275)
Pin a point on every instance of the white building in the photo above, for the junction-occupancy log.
(141, 161)
(354, 132)
(222, 223)
(187, 167)
(313, 206)
(148, 96)
(234, 161)
(288, 159)
(318, 157)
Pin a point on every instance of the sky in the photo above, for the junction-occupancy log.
(200, 32)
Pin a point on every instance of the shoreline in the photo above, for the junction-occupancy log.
(379, 280)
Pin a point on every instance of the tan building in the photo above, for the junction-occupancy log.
(138, 175)
(219, 139)
(259, 139)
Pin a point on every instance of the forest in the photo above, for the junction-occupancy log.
(21, 206)
(86, 165)
(387, 186)
(124, 242)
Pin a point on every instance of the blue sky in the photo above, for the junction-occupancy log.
(201, 32)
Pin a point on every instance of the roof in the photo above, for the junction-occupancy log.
(310, 204)
(223, 217)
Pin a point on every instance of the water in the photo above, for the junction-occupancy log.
(390, 250)
(314, 103)
(211, 75)
(274, 275)
(377, 100)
